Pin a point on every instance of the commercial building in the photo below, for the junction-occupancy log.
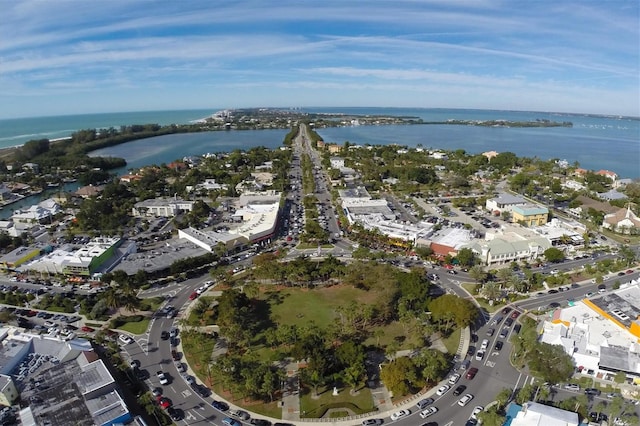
(535, 414)
(560, 232)
(161, 207)
(529, 215)
(84, 261)
(21, 255)
(257, 216)
(63, 382)
(504, 202)
(506, 248)
(600, 333)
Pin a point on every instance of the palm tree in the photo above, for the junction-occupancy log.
(492, 291)
(111, 298)
(477, 273)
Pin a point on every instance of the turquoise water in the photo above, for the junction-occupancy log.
(17, 131)
(595, 142)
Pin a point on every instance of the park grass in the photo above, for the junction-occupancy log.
(139, 327)
(153, 303)
(318, 306)
(310, 407)
(269, 409)
(452, 341)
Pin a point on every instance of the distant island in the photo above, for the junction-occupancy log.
(504, 123)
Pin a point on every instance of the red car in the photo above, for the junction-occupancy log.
(629, 271)
(515, 314)
(86, 329)
(193, 296)
(164, 402)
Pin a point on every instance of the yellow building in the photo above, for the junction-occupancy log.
(530, 215)
(334, 148)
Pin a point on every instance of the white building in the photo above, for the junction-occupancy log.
(535, 414)
(161, 207)
(37, 213)
(504, 202)
(507, 248)
(337, 162)
(258, 214)
(624, 221)
(600, 333)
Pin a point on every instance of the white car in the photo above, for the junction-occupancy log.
(124, 339)
(476, 410)
(428, 412)
(453, 379)
(484, 345)
(465, 400)
(163, 378)
(442, 390)
(400, 414)
(479, 355)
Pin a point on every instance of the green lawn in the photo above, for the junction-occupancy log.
(139, 327)
(303, 307)
(316, 408)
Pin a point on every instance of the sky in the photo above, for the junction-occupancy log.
(71, 57)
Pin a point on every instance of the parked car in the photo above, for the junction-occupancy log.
(241, 414)
(164, 402)
(458, 391)
(424, 403)
(453, 379)
(368, 422)
(87, 329)
(442, 390)
(490, 332)
(498, 345)
(465, 400)
(124, 339)
(400, 414)
(572, 387)
(164, 335)
(220, 405)
(476, 410)
(164, 380)
(592, 391)
(263, 422)
(228, 421)
(479, 355)
(471, 373)
(176, 414)
(428, 412)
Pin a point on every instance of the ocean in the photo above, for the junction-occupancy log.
(596, 142)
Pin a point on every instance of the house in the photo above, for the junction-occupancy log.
(5, 193)
(89, 191)
(130, 178)
(39, 213)
(334, 148)
(624, 221)
(608, 173)
(490, 154)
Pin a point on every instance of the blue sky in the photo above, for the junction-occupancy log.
(68, 57)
